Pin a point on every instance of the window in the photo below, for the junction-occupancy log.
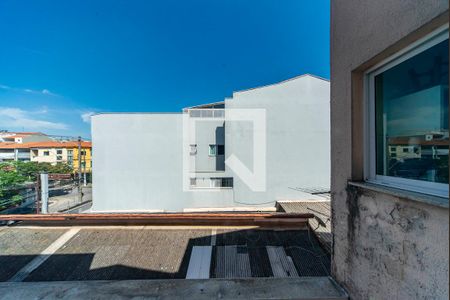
(212, 150)
(59, 151)
(216, 150)
(69, 152)
(46, 153)
(58, 157)
(408, 107)
(83, 152)
(220, 150)
(193, 149)
(221, 182)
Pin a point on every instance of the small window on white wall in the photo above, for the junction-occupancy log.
(212, 150)
(407, 106)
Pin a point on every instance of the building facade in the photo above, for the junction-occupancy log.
(23, 137)
(389, 135)
(178, 162)
(52, 152)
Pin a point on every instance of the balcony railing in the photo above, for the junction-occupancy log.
(206, 113)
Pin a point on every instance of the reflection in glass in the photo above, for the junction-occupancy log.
(411, 104)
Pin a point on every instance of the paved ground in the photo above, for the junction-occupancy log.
(18, 247)
(145, 252)
(321, 224)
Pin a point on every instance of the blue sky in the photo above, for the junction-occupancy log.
(62, 60)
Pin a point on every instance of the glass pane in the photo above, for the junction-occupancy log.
(220, 149)
(411, 106)
(212, 149)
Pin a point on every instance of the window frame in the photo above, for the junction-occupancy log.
(425, 187)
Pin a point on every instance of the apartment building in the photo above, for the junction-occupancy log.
(276, 138)
(50, 152)
(390, 141)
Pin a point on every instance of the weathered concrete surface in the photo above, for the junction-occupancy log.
(384, 247)
(140, 252)
(261, 288)
(118, 254)
(18, 247)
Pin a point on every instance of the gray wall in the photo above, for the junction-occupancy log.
(298, 138)
(138, 165)
(209, 133)
(385, 247)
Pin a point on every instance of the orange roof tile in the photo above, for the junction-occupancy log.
(45, 144)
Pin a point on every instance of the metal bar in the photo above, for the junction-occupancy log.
(260, 219)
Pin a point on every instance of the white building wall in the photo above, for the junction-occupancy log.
(138, 165)
(298, 138)
(139, 157)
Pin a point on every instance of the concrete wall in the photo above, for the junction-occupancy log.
(139, 157)
(385, 246)
(298, 138)
(209, 133)
(138, 165)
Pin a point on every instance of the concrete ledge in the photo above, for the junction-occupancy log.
(232, 209)
(404, 194)
(251, 288)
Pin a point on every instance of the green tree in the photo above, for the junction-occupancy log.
(10, 179)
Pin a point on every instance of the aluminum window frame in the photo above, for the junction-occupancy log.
(431, 188)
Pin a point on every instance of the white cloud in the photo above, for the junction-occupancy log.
(47, 92)
(86, 117)
(29, 91)
(11, 117)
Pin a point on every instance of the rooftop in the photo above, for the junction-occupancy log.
(44, 144)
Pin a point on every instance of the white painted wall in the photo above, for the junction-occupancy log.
(138, 165)
(139, 157)
(298, 138)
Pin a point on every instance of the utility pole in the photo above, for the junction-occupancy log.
(84, 169)
(79, 169)
(38, 191)
(44, 192)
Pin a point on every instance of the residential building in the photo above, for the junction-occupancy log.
(390, 145)
(49, 151)
(177, 161)
(23, 137)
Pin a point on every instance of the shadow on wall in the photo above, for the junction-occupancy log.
(117, 262)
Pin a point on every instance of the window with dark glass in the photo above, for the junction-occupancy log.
(411, 111)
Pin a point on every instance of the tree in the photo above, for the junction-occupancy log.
(10, 179)
(14, 174)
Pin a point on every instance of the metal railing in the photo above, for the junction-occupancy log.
(206, 113)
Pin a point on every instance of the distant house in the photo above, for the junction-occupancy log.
(23, 137)
(49, 151)
(177, 161)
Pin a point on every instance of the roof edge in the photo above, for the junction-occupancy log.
(283, 81)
